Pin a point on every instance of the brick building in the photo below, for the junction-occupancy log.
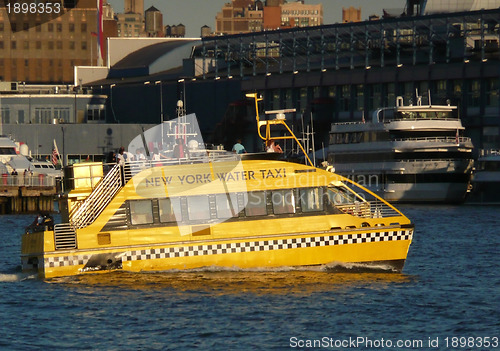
(43, 48)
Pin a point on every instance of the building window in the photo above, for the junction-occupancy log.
(474, 93)
(26, 45)
(170, 210)
(84, 27)
(198, 207)
(38, 45)
(1, 45)
(96, 113)
(492, 93)
(84, 45)
(26, 26)
(20, 116)
(72, 45)
(59, 27)
(50, 27)
(43, 115)
(141, 212)
(38, 27)
(51, 45)
(13, 45)
(5, 115)
(1, 27)
(62, 114)
(71, 27)
(59, 45)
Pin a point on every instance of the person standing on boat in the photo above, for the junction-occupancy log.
(273, 146)
(239, 148)
(120, 157)
(180, 149)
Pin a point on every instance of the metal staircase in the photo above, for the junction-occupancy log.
(89, 209)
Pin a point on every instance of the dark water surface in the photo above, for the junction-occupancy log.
(449, 288)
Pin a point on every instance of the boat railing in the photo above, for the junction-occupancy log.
(131, 168)
(87, 211)
(489, 152)
(413, 119)
(369, 209)
(453, 140)
(21, 180)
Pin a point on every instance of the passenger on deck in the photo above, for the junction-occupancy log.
(180, 149)
(238, 148)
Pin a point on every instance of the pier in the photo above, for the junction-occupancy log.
(27, 193)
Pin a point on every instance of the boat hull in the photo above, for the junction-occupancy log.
(376, 248)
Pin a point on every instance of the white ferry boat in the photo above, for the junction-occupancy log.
(486, 179)
(414, 153)
(214, 210)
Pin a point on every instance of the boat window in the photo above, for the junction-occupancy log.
(340, 195)
(7, 151)
(141, 212)
(170, 210)
(283, 201)
(198, 207)
(311, 200)
(227, 205)
(255, 203)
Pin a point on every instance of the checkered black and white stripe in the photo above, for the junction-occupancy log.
(248, 246)
(64, 261)
(266, 245)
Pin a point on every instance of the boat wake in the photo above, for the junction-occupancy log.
(15, 277)
(341, 267)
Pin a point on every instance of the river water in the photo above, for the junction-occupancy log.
(447, 298)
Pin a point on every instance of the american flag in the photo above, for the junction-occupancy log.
(55, 154)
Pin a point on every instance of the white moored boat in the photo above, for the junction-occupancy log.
(414, 153)
(486, 179)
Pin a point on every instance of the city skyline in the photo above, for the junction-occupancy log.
(184, 9)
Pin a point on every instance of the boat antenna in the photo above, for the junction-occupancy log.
(312, 141)
(279, 120)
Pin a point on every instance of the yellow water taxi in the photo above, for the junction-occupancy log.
(261, 213)
(214, 210)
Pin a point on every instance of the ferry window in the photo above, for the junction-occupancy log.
(283, 201)
(227, 205)
(255, 203)
(198, 207)
(170, 210)
(311, 200)
(339, 195)
(141, 212)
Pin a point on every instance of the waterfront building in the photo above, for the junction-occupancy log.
(45, 48)
(330, 73)
(298, 14)
(130, 25)
(351, 14)
(134, 6)
(341, 72)
(243, 16)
